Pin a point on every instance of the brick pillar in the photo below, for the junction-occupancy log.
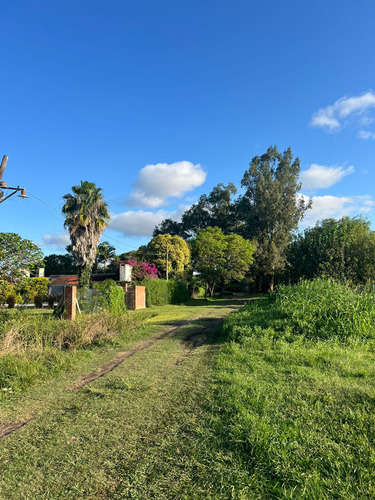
(70, 302)
(140, 297)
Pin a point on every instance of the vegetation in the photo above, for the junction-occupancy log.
(157, 293)
(341, 249)
(112, 297)
(86, 217)
(295, 394)
(177, 291)
(175, 249)
(59, 264)
(17, 255)
(35, 290)
(219, 258)
(105, 254)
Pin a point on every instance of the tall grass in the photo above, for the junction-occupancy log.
(34, 347)
(295, 393)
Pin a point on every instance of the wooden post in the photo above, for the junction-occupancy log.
(2, 166)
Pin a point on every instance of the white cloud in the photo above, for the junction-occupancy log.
(331, 118)
(138, 223)
(156, 183)
(58, 241)
(324, 207)
(366, 134)
(321, 177)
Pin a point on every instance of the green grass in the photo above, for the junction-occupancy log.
(260, 411)
(142, 431)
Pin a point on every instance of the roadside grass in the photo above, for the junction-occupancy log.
(299, 410)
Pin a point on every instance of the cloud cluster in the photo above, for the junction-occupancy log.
(156, 183)
(322, 177)
(366, 134)
(58, 241)
(332, 117)
(141, 223)
(335, 207)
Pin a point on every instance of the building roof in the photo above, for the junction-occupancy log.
(65, 280)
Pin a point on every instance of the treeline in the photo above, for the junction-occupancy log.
(267, 213)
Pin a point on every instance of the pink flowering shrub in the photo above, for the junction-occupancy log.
(141, 270)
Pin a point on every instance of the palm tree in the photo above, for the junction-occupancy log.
(86, 217)
(105, 253)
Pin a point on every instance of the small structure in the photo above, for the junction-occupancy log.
(126, 272)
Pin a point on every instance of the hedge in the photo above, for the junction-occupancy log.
(161, 292)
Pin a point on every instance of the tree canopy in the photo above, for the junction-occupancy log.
(219, 258)
(341, 249)
(16, 256)
(178, 254)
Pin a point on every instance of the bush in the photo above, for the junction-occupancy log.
(157, 292)
(36, 290)
(177, 291)
(113, 296)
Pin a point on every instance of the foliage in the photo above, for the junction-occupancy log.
(16, 256)
(105, 254)
(9, 294)
(297, 402)
(141, 270)
(271, 209)
(86, 217)
(341, 249)
(178, 254)
(219, 258)
(35, 290)
(216, 209)
(157, 293)
(113, 296)
(59, 264)
(177, 291)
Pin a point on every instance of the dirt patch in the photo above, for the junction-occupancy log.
(9, 428)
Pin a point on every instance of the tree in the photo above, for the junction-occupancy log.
(341, 249)
(220, 258)
(86, 217)
(271, 209)
(105, 254)
(59, 264)
(216, 209)
(17, 256)
(172, 248)
(36, 290)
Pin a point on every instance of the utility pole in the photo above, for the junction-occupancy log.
(167, 261)
(3, 185)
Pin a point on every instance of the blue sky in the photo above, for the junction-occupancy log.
(157, 102)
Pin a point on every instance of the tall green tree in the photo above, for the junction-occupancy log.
(17, 255)
(220, 258)
(86, 217)
(172, 249)
(270, 209)
(341, 249)
(218, 209)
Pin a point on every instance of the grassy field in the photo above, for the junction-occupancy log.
(264, 408)
(131, 434)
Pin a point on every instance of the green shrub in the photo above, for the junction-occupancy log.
(113, 296)
(157, 292)
(177, 291)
